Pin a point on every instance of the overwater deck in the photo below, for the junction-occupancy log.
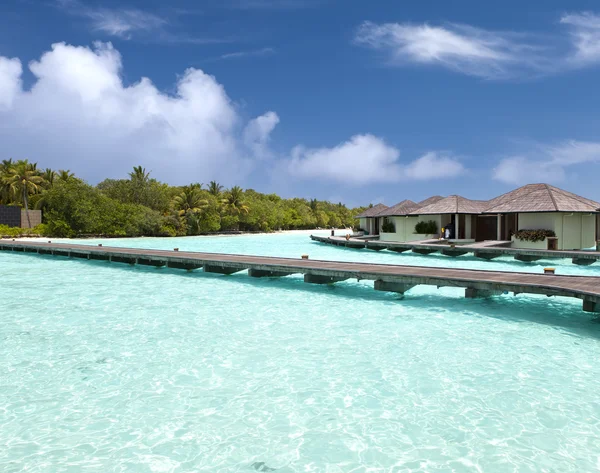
(391, 278)
(487, 250)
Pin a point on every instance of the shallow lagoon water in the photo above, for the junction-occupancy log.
(106, 367)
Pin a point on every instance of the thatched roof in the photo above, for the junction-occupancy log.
(372, 211)
(453, 204)
(430, 200)
(540, 198)
(401, 208)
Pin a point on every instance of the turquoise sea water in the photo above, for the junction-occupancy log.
(111, 368)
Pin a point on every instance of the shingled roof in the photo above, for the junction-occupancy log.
(453, 204)
(372, 211)
(540, 198)
(401, 208)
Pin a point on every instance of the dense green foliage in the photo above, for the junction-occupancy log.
(143, 206)
(534, 235)
(388, 226)
(426, 228)
(13, 232)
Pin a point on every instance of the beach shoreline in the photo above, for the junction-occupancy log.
(337, 231)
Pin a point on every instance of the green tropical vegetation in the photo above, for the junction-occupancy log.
(388, 226)
(534, 235)
(426, 228)
(140, 205)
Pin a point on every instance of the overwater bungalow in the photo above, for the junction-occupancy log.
(574, 220)
(567, 221)
(398, 224)
(456, 212)
(369, 221)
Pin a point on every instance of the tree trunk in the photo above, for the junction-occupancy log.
(26, 205)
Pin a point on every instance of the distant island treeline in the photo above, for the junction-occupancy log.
(143, 206)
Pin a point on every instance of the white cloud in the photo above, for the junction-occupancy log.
(253, 53)
(257, 133)
(433, 166)
(486, 53)
(123, 23)
(10, 80)
(585, 30)
(361, 160)
(366, 159)
(465, 49)
(546, 163)
(79, 115)
(131, 23)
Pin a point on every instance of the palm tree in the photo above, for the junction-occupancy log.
(24, 179)
(49, 176)
(233, 201)
(139, 174)
(5, 166)
(189, 201)
(65, 175)
(215, 189)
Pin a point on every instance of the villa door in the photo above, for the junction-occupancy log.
(486, 227)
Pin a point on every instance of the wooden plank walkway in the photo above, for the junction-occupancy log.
(393, 278)
(487, 252)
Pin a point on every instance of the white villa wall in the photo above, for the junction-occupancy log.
(405, 228)
(588, 231)
(538, 221)
(362, 223)
(574, 231)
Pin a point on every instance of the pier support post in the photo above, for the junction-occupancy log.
(397, 249)
(486, 256)
(387, 286)
(318, 279)
(527, 258)
(151, 262)
(209, 268)
(123, 259)
(180, 265)
(261, 273)
(472, 293)
(454, 253)
(591, 306)
(423, 251)
(583, 261)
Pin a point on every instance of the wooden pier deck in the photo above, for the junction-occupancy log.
(391, 278)
(484, 250)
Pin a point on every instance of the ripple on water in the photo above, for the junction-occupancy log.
(110, 368)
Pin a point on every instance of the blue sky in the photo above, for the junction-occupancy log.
(343, 100)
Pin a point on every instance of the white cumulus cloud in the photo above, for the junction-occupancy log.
(432, 165)
(10, 81)
(257, 133)
(79, 114)
(366, 159)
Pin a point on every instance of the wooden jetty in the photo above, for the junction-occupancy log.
(391, 278)
(485, 250)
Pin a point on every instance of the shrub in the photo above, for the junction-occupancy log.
(388, 226)
(426, 228)
(14, 232)
(534, 235)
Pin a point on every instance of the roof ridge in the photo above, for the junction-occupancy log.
(551, 196)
